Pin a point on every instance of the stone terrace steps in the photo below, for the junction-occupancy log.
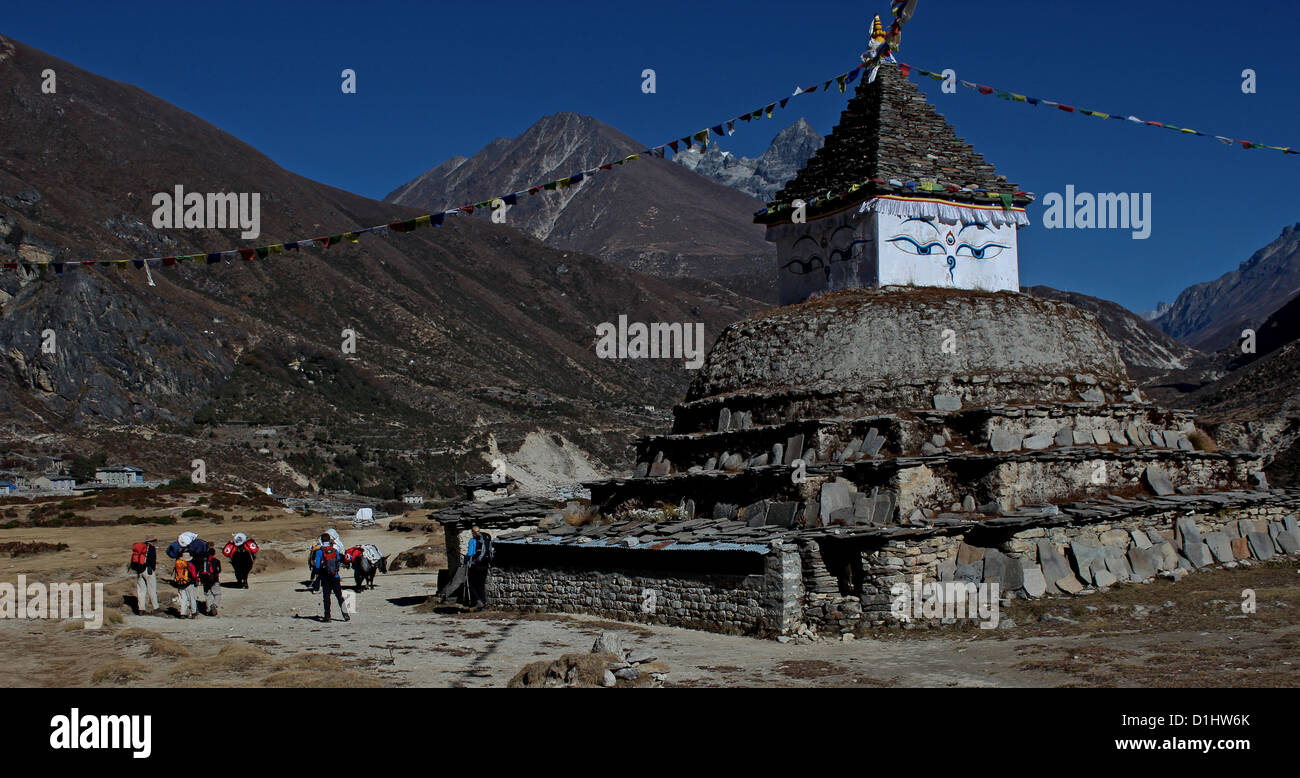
(892, 463)
(851, 439)
(721, 534)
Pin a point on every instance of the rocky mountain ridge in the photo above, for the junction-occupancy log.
(650, 215)
(763, 176)
(1211, 315)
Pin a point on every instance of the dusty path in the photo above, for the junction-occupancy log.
(1200, 639)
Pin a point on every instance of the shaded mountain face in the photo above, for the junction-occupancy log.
(650, 215)
(763, 176)
(464, 332)
(1211, 316)
(1146, 351)
(1249, 400)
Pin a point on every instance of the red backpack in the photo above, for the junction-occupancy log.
(139, 556)
(251, 546)
(209, 568)
(329, 560)
(228, 550)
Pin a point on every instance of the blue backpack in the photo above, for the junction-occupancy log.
(198, 549)
(174, 550)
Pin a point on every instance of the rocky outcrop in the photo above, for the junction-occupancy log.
(763, 176)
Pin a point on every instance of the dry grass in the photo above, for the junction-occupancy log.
(311, 662)
(120, 671)
(136, 634)
(232, 658)
(156, 644)
(580, 671)
(112, 618)
(312, 679)
(166, 648)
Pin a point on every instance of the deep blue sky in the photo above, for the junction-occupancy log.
(436, 80)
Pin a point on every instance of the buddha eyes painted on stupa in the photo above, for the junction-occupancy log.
(925, 238)
(820, 258)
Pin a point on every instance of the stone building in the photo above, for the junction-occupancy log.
(119, 475)
(906, 418)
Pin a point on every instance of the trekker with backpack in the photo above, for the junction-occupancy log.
(327, 563)
(479, 557)
(144, 563)
(242, 552)
(209, 571)
(184, 576)
(178, 546)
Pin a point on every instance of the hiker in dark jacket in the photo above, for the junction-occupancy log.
(328, 562)
(478, 557)
(209, 570)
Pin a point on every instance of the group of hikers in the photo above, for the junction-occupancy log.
(195, 564)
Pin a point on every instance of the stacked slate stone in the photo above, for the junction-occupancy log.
(827, 404)
(757, 527)
(889, 132)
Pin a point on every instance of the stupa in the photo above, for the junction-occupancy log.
(906, 414)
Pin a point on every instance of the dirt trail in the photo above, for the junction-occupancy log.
(391, 639)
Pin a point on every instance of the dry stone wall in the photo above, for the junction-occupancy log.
(1061, 560)
(758, 604)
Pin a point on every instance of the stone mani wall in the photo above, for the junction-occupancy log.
(942, 558)
(764, 603)
(1021, 483)
(833, 586)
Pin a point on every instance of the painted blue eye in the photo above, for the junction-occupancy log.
(987, 251)
(909, 245)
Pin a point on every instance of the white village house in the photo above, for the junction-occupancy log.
(54, 483)
(119, 475)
